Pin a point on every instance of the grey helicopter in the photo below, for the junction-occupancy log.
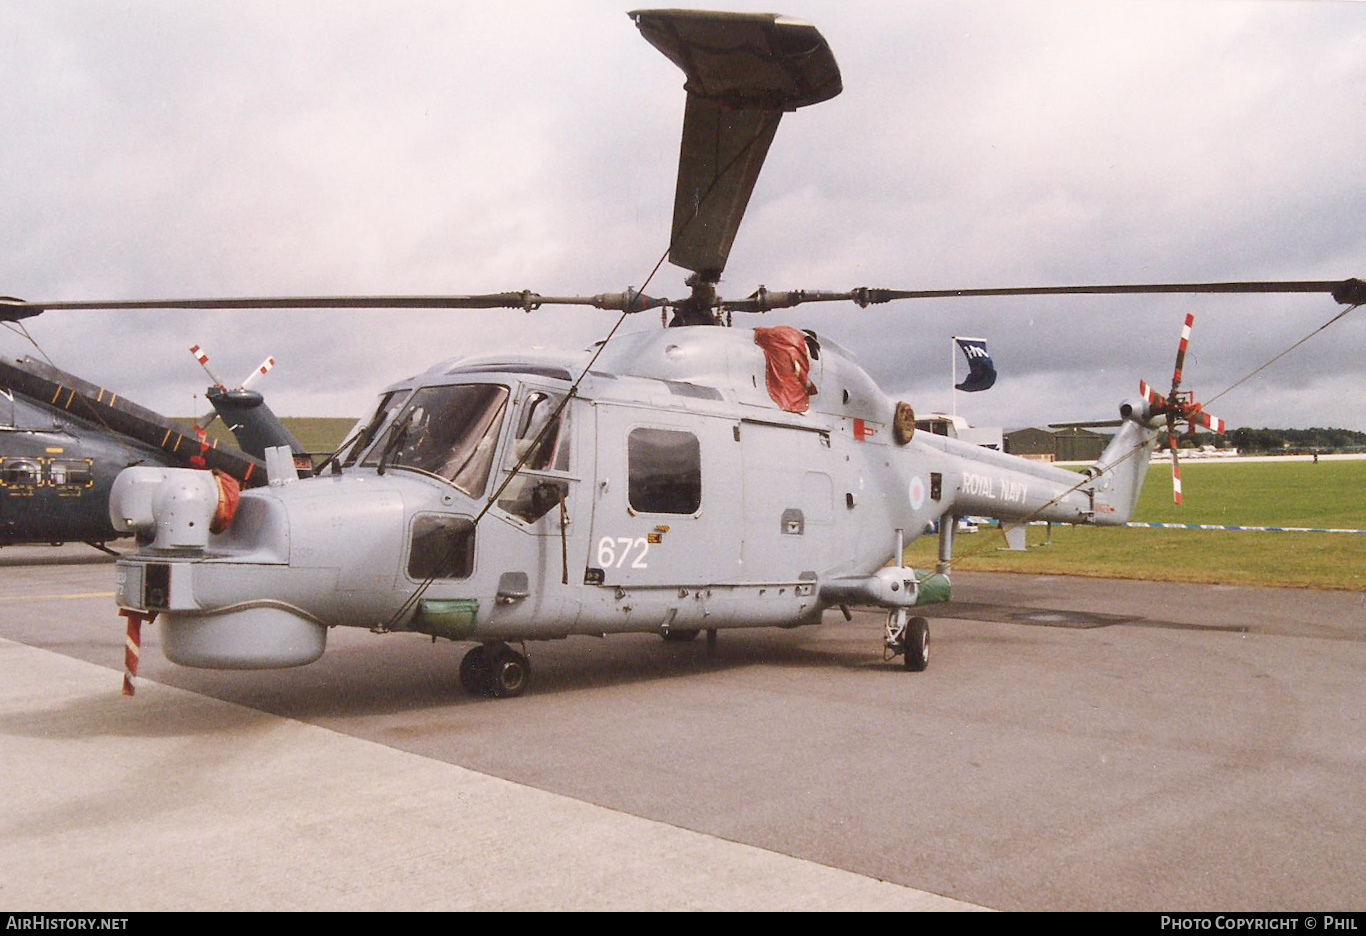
(676, 482)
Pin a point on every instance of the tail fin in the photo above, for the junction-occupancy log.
(252, 422)
(1123, 466)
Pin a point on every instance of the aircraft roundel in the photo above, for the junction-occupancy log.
(917, 493)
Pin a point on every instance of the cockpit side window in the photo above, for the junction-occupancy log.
(542, 436)
(448, 431)
(363, 433)
(541, 444)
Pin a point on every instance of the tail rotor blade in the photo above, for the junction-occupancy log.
(202, 357)
(1156, 401)
(1210, 421)
(260, 371)
(1181, 352)
(1176, 465)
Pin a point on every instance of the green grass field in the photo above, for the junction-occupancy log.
(1290, 493)
(1298, 494)
(315, 434)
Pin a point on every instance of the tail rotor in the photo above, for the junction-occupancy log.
(218, 386)
(1180, 406)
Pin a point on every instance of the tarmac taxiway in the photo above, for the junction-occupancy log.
(1075, 744)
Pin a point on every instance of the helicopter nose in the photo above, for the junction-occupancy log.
(298, 558)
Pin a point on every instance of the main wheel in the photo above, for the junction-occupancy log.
(916, 648)
(681, 636)
(509, 673)
(474, 672)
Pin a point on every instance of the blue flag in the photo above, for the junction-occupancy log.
(983, 373)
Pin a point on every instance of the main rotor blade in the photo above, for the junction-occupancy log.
(629, 301)
(1347, 292)
(744, 70)
(1089, 424)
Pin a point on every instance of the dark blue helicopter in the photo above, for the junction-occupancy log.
(63, 441)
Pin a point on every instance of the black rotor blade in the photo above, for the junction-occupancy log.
(744, 71)
(1090, 424)
(629, 301)
(1347, 292)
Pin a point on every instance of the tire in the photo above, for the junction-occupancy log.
(474, 672)
(680, 636)
(916, 652)
(509, 674)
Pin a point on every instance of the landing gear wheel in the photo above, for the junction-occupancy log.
(916, 645)
(474, 672)
(681, 636)
(509, 673)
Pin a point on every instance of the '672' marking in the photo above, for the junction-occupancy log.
(615, 552)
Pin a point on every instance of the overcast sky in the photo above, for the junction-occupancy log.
(169, 149)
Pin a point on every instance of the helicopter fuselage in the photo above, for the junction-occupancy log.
(56, 471)
(662, 490)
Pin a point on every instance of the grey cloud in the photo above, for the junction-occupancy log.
(158, 149)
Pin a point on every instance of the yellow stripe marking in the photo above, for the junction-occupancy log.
(74, 596)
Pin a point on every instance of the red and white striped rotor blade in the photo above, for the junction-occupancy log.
(1181, 351)
(1176, 468)
(1210, 421)
(260, 371)
(1155, 400)
(202, 357)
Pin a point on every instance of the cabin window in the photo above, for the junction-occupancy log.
(19, 472)
(450, 432)
(664, 469)
(71, 473)
(442, 548)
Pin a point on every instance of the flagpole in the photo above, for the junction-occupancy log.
(953, 376)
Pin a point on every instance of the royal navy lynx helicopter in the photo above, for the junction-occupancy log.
(685, 480)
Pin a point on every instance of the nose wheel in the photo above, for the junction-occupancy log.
(909, 638)
(495, 670)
